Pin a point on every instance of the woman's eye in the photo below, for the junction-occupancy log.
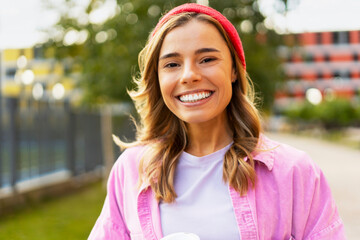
(205, 60)
(171, 65)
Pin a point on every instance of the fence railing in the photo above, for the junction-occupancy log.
(42, 137)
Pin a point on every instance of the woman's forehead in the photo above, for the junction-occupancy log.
(193, 34)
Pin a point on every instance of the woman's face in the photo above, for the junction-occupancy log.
(195, 72)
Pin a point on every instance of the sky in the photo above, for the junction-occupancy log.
(21, 21)
(314, 15)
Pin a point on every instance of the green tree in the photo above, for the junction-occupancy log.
(107, 58)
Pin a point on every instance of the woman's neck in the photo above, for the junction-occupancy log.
(206, 138)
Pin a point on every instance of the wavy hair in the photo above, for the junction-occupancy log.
(165, 135)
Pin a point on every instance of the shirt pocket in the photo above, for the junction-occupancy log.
(137, 236)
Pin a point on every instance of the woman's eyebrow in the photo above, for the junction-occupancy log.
(169, 55)
(205, 50)
(199, 51)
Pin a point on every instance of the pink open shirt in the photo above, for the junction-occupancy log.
(291, 200)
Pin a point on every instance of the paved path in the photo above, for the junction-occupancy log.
(341, 166)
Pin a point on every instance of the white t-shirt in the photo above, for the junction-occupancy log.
(203, 204)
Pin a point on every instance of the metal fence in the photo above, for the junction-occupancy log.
(42, 137)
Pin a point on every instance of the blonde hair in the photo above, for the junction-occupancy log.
(165, 135)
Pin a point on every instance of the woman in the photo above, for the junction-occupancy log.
(200, 163)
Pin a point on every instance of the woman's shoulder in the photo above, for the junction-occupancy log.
(130, 156)
(283, 156)
(288, 164)
(125, 168)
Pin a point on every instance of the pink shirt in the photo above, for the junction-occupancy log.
(291, 200)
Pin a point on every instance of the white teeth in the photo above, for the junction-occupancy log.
(194, 97)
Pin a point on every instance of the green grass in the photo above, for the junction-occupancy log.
(68, 217)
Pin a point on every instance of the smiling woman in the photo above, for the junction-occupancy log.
(200, 163)
(195, 74)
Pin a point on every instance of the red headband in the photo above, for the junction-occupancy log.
(229, 28)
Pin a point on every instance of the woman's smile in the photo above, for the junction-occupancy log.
(195, 97)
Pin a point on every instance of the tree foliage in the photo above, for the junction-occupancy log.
(331, 114)
(108, 56)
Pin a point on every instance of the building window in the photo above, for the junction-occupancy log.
(327, 57)
(336, 74)
(38, 52)
(319, 75)
(346, 75)
(318, 38)
(10, 72)
(343, 37)
(340, 37)
(355, 56)
(309, 57)
(335, 37)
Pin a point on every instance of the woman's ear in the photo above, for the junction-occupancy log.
(233, 75)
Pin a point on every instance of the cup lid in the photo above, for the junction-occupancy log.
(181, 236)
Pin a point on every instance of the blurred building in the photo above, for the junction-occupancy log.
(28, 72)
(327, 62)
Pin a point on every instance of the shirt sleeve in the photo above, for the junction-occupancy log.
(324, 222)
(110, 225)
(321, 220)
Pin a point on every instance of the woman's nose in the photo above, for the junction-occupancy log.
(190, 74)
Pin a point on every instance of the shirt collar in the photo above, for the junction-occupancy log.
(265, 152)
(144, 186)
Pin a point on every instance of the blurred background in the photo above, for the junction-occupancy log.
(65, 66)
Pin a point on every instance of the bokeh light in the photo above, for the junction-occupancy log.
(58, 91)
(38, 91)
(27, 77)
(314, 96)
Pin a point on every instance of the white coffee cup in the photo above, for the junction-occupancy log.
(181, 236)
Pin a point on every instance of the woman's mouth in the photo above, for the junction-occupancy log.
(194, 97)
